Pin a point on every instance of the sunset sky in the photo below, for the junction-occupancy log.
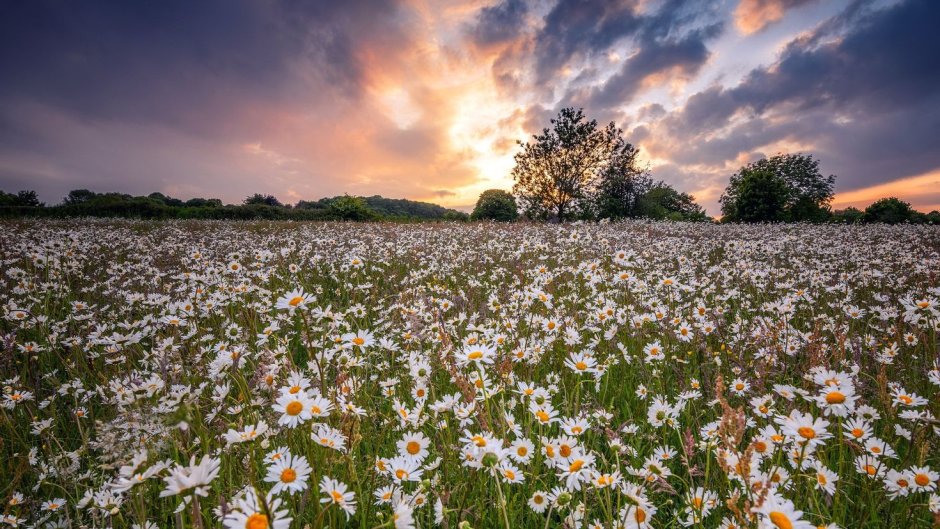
(425, 99)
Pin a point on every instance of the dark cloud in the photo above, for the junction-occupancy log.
(579, 28)
(180, 63)
(686, 54)
(863, 94)
(500, 22)
(671, 39)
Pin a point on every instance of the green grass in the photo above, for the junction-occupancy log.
(130, 275)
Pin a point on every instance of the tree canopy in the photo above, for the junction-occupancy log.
(578, 170)
(785, 187)
(558, 169)
(495, 204)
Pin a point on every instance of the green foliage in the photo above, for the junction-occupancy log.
(848, 215)
(391, 208)
(25, 198)
(760, 196)
(266, 200)
(662, 202)
(891, 210)
(85, 203)
(622, 184)
(495, 204)
(351, 208)
(794, 191)
(77, 196)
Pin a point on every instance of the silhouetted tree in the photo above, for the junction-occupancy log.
(622, 183)
(559, 169)
(804, 195)
(848, 215)
(203, 203)
(169, 201)
(495, 204)
(264, 200)
(77, 196)
(891, 210)
(25, 198)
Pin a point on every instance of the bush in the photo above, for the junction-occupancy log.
(495, 204)
(891, 210)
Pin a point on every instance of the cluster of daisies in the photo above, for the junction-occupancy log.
(618, 376)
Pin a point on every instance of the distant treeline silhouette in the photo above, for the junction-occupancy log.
(85, 203)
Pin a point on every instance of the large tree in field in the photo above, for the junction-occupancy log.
(804, 193)
(556, 173)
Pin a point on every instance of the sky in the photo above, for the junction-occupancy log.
(427, 99)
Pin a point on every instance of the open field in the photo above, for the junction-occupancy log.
(251, 375)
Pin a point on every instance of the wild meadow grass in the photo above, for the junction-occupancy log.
(638, 375)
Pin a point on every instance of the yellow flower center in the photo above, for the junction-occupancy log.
(257, 521)
(922, 480)
(806, 432)
(288, 475)
(576, 465)
(296, 300)
(413, 447)
(640, 515)
(358, 341)
(780, 520)
(835, 397)
(581, 366)
(294, 407)
(475, 355)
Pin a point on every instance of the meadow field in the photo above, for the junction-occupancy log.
(469, 375)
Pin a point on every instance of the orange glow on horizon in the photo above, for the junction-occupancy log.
(923, 192)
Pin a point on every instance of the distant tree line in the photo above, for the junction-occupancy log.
(83, 202)
(578, 170)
